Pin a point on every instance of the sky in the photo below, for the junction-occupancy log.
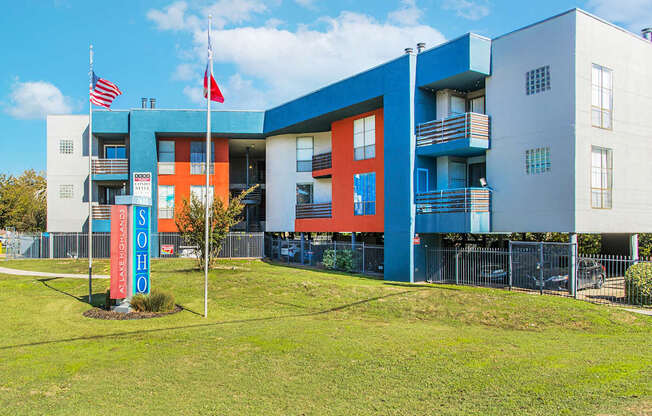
(265, 51)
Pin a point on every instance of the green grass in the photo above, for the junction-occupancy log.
(284, 341)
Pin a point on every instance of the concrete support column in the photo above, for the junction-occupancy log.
(633, 246)
(572, 264)
(352, 239)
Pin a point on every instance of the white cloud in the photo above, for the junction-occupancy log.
(310, 4)
(187, 71)
(634, 14)
(409, 14)
(173, 17)
(468, 9)
(36, 99)
(273, 65)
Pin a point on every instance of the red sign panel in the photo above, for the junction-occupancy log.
(119, 251)
(416, 240)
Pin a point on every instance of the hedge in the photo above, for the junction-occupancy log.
(638, 284)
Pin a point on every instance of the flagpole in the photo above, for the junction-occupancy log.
(90, 183)
(208, 160)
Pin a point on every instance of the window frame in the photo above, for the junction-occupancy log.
(198, 168)
(65, 145)
(608, 152)
(538, 80)
(304, 165)
(165, 216)
(427, 185)
(66, 191)
(312, 192)
(116, 146)
(211, 192)
(365, 202)
(601, 90)
(368, 149)
(166, 167)
(538, 161)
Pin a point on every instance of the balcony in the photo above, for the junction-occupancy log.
(458, 135)
(101, 212)
(321, 165)
(463, 210)
(304, 211)
(110, 169)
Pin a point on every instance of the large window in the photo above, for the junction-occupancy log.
(364, 193)
(166, 157)
(304, 193)
(165, 201)
(601, 97)
(199, 191)
(305, 151)
(66, 146)
(537, 161)
(115, 151)
(364, 138)
(198, 158)
(537, 80)
(601, 177)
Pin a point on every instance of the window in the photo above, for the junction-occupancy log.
(601, 177)
(477, 105)
(364, 194)
(166, 157)
(601, 97)
(165, 202)
(458, 105)
(65, 191)
(198, 158)
(304, 154)
(537, 161)
(364, 138)
(115, 151)
(304, 193)
(199, 191)
(457, 173)
(66, 146)
(537, 80)
(422, 180)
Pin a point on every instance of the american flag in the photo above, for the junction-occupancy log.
(103, 92)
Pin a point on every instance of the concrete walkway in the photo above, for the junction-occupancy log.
(17, 272)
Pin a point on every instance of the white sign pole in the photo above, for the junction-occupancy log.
(90, 183)
(208, 164)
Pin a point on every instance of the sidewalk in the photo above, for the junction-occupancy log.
(17, 272)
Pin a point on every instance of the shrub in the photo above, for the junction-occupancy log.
(342, 260)
(638, 284)
(155, 301)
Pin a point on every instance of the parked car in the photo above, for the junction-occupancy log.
(590, 275)
(494, 273)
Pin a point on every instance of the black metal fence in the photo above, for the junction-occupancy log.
(75, 245)
(334, 255)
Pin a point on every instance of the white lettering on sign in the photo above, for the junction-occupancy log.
(141, 239)
(141, 262)
(141, 284)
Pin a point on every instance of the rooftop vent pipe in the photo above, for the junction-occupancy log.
(421, 46)
(647, 33)
(143, 103)
(408, 51)
(152, 103)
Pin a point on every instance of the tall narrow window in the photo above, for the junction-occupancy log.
(166, 157)
(305, 151)
(601, 177)
(66, 146)
(422, 180)
(304, 193)
(364, 138)
(601, 97)
(364, 193)
(198, 158)
(165, 202)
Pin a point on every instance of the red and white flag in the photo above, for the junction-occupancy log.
(103, 92)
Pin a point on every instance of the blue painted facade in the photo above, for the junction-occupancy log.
(403, 87)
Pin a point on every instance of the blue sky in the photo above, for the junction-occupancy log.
(266, 51)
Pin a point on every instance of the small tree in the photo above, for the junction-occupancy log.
(190, 222)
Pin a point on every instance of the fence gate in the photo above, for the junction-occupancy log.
(543, 266)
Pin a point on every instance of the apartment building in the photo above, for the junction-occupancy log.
(544, 129)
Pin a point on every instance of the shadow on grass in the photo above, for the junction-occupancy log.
(98, 299)
(320, 270)
(424, 285)
(206, 325)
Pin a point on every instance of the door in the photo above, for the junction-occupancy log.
(457, 175)
(422, 180)
(477, 171)
(458, 105)
(476, 105)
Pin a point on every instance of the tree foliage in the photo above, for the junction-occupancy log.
(23, 203)
(190, 221)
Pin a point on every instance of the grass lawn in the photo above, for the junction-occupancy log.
(284, 341)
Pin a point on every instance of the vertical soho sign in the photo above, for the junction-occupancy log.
(140, 225)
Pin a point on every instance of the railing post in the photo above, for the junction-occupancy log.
(510, 266)
(362, 257)
(457, 267)
(466, 125)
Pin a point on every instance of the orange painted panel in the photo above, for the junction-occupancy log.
(343, 169)
(182, 179)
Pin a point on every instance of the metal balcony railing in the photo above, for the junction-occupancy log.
(314, 210)
(101, 212)
(454, 200)
(110, 166)
(459, 126)
(322, 161)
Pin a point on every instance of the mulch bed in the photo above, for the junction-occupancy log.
(97, 313)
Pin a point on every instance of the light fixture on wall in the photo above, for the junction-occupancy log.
(483, 182)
